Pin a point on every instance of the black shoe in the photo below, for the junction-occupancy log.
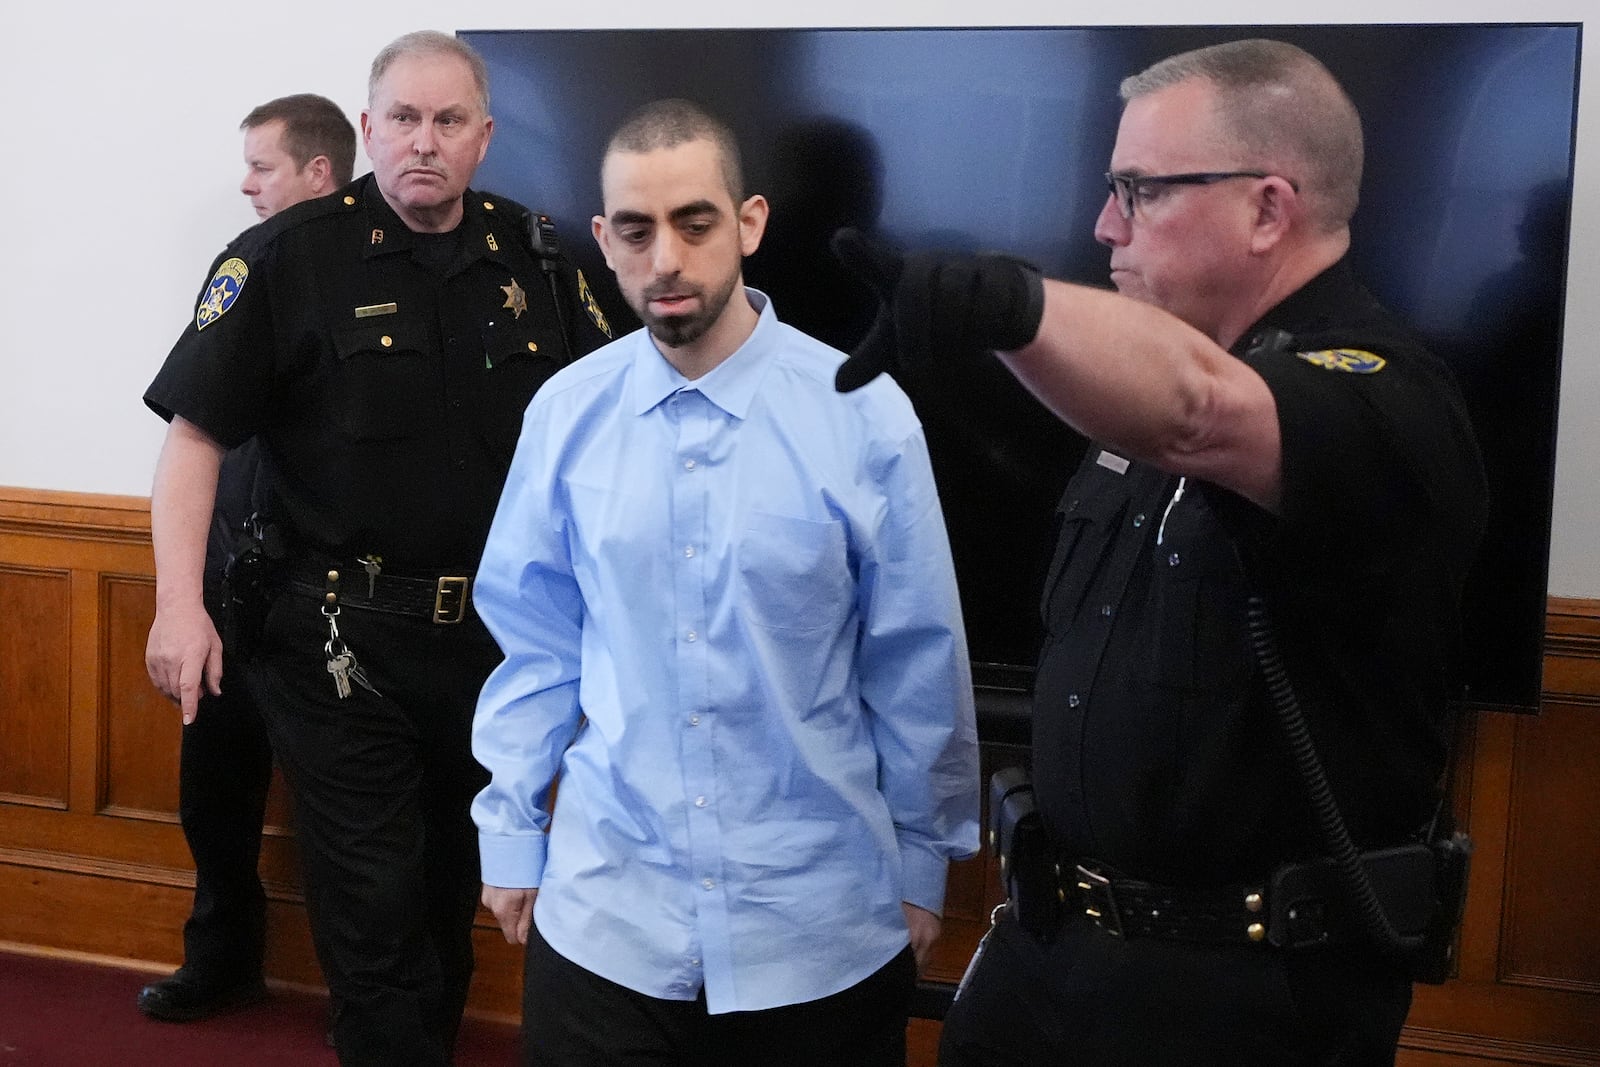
(184, 997)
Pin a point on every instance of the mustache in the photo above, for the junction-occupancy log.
(428, 163)
(669, 287)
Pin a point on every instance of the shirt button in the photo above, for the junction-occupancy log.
(691, 637)
(1172, 560)
(688, 552)
(699, 802)
(1105, 610)
(688, 464)
(1073, 701)
(708, 884)
(694, 720)
(1138, 520)
(694, 961)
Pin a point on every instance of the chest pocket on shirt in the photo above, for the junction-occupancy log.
(1199, 603)
(386, 388)
(517, 360)
(794, 573)
(1088, 516)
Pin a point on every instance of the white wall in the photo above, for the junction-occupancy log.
(119, 166)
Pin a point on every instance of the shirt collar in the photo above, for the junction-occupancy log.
(387, 233)
(1307, 309)
(731, 386)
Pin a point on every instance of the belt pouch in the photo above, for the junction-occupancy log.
(1016, 834)
(1309, 904)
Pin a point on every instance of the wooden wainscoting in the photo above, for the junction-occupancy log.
(92, 860)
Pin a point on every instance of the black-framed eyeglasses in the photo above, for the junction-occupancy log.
(1125, 187)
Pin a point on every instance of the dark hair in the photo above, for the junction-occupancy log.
(669, 123)
(312, 126)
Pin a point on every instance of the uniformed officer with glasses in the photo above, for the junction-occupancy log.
(1260, 428)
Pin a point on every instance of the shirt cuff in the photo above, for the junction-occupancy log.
(922, 878)
(512, 861)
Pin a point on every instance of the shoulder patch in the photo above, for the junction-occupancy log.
(592, 306)
(224, 289)
(1349, 360)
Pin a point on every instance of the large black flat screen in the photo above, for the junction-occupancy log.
(997, 139)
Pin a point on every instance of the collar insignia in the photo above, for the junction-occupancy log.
(1349, 360)
(493, 247)
(516, 298)
(592, 306)
(224, 289)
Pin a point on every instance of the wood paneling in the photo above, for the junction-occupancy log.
(139, 775)
(1551, 830)
(92, 859)
(35, 669)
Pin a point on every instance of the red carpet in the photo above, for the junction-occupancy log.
(59, 1013)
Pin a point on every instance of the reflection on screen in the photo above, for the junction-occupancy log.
(997, 139)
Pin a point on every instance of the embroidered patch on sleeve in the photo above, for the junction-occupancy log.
(224, 289)
(1349, 360)
(591, 305)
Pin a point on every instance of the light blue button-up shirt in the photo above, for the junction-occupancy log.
(731, 625)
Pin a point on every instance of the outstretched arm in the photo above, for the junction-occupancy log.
(1123, 372)
(1139, 379)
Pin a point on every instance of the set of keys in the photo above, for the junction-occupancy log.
(342, 662)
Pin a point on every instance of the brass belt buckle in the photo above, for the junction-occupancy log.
(450, 600)
(1098, 903)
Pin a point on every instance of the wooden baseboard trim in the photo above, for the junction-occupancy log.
(1469, 1047)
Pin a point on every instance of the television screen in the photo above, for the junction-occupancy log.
(998, 139)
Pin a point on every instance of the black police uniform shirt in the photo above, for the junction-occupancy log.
(385, 371)
(1156, 750)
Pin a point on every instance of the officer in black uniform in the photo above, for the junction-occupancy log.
(295, 148)
(382, 344)
(1262, 429)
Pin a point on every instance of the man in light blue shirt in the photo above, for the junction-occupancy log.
(731, 627)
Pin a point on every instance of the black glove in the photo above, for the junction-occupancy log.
(936, 306)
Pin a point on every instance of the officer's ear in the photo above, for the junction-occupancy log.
(319, 173)
(1277, 205)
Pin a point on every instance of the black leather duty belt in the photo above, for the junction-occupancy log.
(444, 600)
(1126, 907)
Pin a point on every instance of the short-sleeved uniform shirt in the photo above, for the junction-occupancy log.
(1156, 749)
(385, 371)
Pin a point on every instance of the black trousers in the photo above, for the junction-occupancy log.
(574, 1018)
(1087, 997)
(382, 787)
(224, 770)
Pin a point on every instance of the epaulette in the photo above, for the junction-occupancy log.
(533, 227)
(263, 233)
(499, 205)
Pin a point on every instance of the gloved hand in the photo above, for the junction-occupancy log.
(936, 306)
